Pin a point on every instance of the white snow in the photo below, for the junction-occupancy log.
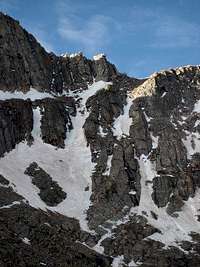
(173, 229)
(98, 248)
(75, 54)
(26, 241)
(70, 167)
(36, 132)
(197, 106)
(98, 56)
(72, 55)
(163, 94)
(122, 123)
(102, 133)
(148, 119)
(118, 261)
(109, 164)
(10, 205)
(192, 143)
(32, 94)
(132, 264)
(132, 192)
(197, 123)
(154, 141)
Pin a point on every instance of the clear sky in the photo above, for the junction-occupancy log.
(138, 36)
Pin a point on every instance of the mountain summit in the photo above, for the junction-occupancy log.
(96, 168)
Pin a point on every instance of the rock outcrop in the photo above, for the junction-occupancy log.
(50, 192)
(16, 123)
(25, 64)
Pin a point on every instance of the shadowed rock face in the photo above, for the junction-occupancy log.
(55, 119)
(145, 178)
(31, 237)
(50, 192)
(24, 64)
(16, 123)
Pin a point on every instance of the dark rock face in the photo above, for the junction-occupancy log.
(110, 188)
(23, 60)
(24, 64)
(50, 192)
(139, 132)
(56, 121)
(8, 196)
(3, 180)
(131, 240)
(103, 70)
(127, 237)
(158, 110)
(163, 186)
(43, 239)
(16, 123)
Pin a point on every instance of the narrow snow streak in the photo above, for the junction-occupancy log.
(32, 94)
(123, 122)
(98, 56)
(109, 164)
(173, 229)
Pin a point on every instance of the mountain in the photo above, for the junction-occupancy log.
(96, 168)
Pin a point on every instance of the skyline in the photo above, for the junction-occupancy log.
(139, 37)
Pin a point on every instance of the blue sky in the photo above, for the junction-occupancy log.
(138, 36)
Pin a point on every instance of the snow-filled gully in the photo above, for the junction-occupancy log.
(70, 167)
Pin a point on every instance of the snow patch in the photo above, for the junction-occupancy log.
(197, 107)
(118, 261)
(98, 248)
(108, 167)
(163, 94)
(72, 55)
(98, 56)
(70, 167)
(102, 133)
(26, 241)
(32, 94)
(36, 132)
(192, 143)
(10, 205)
(122, 123)
(173, 230)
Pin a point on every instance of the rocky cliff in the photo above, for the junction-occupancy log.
(96, 168)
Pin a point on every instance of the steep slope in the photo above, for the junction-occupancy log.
(96, 168)
(25, 64)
